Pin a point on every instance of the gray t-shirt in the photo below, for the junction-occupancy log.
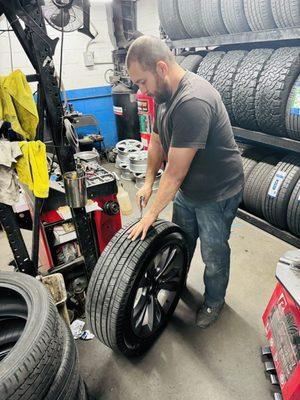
(196, 117)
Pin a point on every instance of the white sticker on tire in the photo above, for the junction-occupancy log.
(276, 184)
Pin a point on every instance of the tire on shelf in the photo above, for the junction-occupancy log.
(234, 17)
(170, 19)
(225, 75)
(293, 211)
(251, 157)
(192, 18)
(179, 58)
(273, 89)
(278, 189)
(28, 370)
(253, 190)
(191, 62)
(245, 86)
(212, 17)
(292, 117)
(209, 64)
(259, 14)
(135, 280)
(286, 13)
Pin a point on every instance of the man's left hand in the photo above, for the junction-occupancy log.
(142, 227)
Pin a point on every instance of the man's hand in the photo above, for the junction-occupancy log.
(142, 227)
(145, 192)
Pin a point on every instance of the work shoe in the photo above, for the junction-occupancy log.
(206, 315)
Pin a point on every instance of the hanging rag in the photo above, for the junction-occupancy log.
(32, 168)
(9, 188)
(17, 104)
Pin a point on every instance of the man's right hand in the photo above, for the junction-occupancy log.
(145, 192)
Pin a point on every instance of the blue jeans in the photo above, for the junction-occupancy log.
(211, 222)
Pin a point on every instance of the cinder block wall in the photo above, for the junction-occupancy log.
(75, 74)
(86, 86)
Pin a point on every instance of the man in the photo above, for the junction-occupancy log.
(204, 168)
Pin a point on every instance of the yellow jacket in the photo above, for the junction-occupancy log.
(32, 167)
(17, 104)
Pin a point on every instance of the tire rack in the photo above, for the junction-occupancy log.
(282, 37)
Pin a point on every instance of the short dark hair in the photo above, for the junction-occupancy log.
(147, 51)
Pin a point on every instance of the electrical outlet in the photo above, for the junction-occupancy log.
(88, 57)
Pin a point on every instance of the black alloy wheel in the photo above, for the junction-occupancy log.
(157, 290)
(135, 287)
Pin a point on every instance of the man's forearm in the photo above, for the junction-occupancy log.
(168, 187)
(155, 159)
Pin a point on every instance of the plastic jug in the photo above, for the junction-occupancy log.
(124, 201)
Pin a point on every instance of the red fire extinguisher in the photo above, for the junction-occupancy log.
(146, 117)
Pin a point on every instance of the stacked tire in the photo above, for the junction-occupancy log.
(272, 188)
(260, 88)
(191, 62)
(183, 19)
(38, 359)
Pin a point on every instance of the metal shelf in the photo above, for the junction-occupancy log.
(267, 227)
(79, 261)
(252, 137)
(266, 36)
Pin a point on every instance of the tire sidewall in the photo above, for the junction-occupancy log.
(130, 340)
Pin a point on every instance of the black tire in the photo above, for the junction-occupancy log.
(191, 17)
(275, 208)
(113, 288)
(254, 186)
(170, 19)
(209, 64)
(251, 157)
(179, 58)
(66, 380)
(10, 332)
(234, 17)
(292, 117)
(273, 89)
(28, 370)
(191, 62)
(293, 211)
(245, 86)
(225, 76)
(259, 14)
(212, 17)
(81, 391)
(286, 13)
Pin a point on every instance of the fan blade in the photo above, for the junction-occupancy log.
(61, 19)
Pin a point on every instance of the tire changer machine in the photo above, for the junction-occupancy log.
(95, 229)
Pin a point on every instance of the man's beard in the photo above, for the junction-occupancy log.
(163, 93)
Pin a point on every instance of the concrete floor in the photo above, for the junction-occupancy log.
(186, 363)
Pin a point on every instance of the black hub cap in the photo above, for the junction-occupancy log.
(157, 291)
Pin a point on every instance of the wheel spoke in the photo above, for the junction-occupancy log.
(172, 274)
(171, 286)
(166, 261)
(139, 312)
(140, 304)
(155, 314)
(151, 313)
